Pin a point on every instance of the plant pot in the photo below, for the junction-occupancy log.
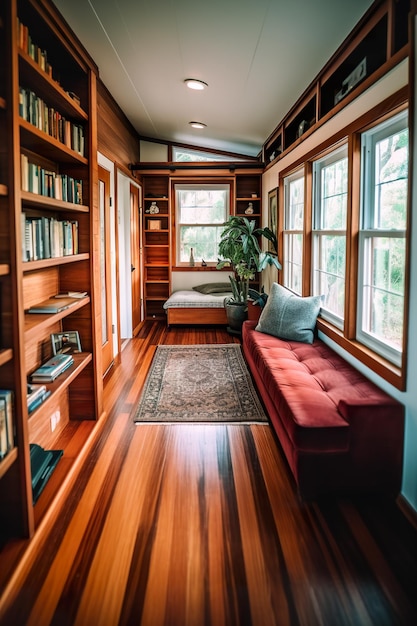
(237, 313)
(254, 311)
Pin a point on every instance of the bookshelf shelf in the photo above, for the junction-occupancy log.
(62, 382)
(6, 355)
(44, 202)
(33, 76)
(35, 322)
(8, 461)
(30, 266)
(38, 141)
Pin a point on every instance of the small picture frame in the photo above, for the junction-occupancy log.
(154, 224)
(273, 214)
(67, 342)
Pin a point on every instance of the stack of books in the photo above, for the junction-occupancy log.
(36, 394)
(50, 370)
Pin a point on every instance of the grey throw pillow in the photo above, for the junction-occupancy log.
(208, 288)
(288, 316)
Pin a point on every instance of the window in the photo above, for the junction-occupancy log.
(382, 238)
(187, 154)
(293, 231)
(330, 184)
(201, 211)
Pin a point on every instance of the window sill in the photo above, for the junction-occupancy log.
(197, 268)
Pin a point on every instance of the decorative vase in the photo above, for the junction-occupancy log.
(192, 262)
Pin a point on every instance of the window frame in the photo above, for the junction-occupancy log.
(336, 154)
(289, 234)
(197, 185)
(346, 338)
(369, 231)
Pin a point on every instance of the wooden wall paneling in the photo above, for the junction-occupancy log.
(116, 137)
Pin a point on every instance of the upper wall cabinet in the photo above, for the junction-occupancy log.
(376, 44)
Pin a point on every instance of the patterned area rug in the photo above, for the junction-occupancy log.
(199, 383)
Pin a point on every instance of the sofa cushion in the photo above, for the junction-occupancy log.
(289, 316)
(208, 288)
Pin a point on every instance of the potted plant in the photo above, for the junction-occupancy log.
(240, 250)
(258, 300)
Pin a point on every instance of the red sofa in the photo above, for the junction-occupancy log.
(339, 432)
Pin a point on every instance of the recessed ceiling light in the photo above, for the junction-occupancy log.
(194, 83)
(197, 124)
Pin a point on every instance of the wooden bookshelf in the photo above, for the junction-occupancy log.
(69, 87)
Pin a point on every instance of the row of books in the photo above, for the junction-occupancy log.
(36, 53)
(50, 370)
(48, 237)
(35, 111)
(6, 422)
(36, 395)
(48, 183)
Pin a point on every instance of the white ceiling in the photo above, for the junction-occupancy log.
(258, 56)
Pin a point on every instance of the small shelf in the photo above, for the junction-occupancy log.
(4, 191)
(6, 355)
(30, 266)
(73, 439)
(35, 322)
(45, 202)
(4, 269)
(63, 381)
(32, 75)
(8, 461)
(38, 141)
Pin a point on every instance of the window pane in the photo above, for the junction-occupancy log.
(295, 206)
(329, 271)
(293, 255)
(383, 300)
(202, 206)
(329, 235)
(203, 240)
(391, 168)
(201, 211)
(382, 239)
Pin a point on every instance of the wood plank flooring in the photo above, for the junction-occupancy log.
(200, 525)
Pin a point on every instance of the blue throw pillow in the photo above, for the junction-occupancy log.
(289, 316)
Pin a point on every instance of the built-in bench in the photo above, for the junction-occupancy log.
(339, 432)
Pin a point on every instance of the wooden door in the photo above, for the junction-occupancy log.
(135, 235)
(105, 269)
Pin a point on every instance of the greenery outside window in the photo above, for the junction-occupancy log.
(330, 185)
(201, 211)
(382, 238)
(293, 231)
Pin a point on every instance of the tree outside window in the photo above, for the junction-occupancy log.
(201, 211)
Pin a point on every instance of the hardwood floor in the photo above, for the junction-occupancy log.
(200, 525)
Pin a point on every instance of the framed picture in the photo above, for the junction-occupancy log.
(154, 224)
(67, 342)
(273, 214)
